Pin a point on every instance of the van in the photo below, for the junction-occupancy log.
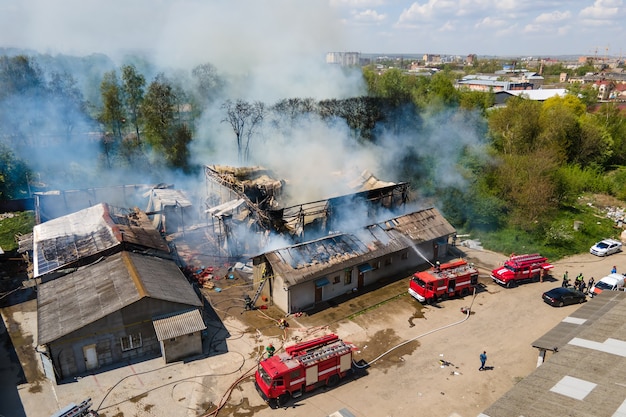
(612, 282)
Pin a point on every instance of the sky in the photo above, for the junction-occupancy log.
(244, 31)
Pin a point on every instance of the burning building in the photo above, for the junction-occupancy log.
(253, 199)
(302, 276)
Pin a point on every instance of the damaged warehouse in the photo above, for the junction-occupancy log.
(261, 205)
(109, 291)
(299, 277)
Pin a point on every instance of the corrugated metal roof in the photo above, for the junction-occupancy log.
(178, 324)
(63, 241)
(299, 262)
(586, 315)
(585, 377)
(540, 94)
(167, 197)
(71, 302)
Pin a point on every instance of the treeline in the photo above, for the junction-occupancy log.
(512, 166)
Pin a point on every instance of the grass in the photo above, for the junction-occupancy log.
(574, 230)
(17, 223)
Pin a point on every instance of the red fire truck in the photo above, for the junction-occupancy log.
(303, 367)
(440, 282)
(519, 268)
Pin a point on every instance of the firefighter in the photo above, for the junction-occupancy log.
(248, 302)
(579, 279)
(565, 283)
(437, 266)
(282, 323)
(590, 285)
(270, 349)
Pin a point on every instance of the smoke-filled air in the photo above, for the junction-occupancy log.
(114, 93)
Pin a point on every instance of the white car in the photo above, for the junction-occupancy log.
(606, 247)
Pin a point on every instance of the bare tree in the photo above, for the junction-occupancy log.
(245, 118)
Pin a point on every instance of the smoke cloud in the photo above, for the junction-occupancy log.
(266, 51)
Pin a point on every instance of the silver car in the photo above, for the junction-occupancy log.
(606, 247)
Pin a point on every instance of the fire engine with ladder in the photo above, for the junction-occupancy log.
(81, 410)
(521, 268)
(303, 367)
(456, 278)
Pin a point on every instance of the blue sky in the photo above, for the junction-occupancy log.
(179, 30)
(486, 27)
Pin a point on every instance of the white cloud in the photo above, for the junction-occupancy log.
(433, 8)
(369, 16)
(555, 16)
(603, 9)
(489, 22)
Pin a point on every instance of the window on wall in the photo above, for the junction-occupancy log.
(132, 341)
(347, 277)
(375, 265)
(336, 280)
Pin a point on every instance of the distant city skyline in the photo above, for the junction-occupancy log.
(487, 27)
(179, 30)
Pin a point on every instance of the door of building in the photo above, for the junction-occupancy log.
(91, 356)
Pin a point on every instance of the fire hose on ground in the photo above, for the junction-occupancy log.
(466, 310)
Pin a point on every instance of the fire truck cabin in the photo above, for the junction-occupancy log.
(448, 280)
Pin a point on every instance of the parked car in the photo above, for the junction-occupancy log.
(561, 296)
(606, 247)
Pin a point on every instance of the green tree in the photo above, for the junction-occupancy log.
(585, 92)
(441, 91)
(526, 182)
(560, 130)
(158, 109)
(67, 101)
(515, 128)
(476, 100)
(609, 116)
(133, 88)
(14, 175)
(22, 94)
(112, 114)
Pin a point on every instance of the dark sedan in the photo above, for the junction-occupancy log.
(559, 297)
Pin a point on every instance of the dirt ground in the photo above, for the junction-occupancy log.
(417, 360)
(435, 370)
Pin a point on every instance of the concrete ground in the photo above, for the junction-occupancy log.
(435, 373)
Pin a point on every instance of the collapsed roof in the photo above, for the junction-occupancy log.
(264, 196)
(82, 236)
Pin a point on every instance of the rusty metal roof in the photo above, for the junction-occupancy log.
(65, 240)
(178, 324)
(77, 299)
(299, 262)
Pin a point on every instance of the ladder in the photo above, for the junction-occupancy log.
(258, 291)
(74, 410)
